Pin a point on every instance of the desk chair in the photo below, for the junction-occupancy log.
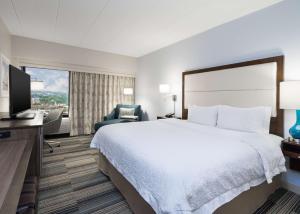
(52, 124)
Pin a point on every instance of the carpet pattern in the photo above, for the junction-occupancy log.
(72, 183)
(281, 202)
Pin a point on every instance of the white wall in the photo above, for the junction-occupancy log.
(269, 32)
(5, 40)
(5, 48)
(31, 52)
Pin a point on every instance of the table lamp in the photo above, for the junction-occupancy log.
(290, 99)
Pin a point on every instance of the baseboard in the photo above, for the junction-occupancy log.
(291, 187)
(290, 180)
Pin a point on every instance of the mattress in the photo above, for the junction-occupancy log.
(183, 167)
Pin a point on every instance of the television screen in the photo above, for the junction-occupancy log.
(19, 90)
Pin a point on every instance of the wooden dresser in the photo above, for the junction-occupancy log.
(20, 155)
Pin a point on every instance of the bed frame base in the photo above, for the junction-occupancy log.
(245, 203)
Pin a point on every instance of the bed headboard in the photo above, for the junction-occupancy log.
(244, 84)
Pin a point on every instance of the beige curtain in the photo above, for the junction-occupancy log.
(92, 96)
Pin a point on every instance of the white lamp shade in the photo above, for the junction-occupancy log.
(37, 85)
(128, 91)
(290, 95)
(164, 88)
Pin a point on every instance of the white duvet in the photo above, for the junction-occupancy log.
(183, 167)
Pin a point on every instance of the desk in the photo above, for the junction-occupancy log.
(20, 155)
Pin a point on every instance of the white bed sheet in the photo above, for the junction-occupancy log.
(183, 167)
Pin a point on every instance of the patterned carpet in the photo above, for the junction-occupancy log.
(281, 202)
(72, 183)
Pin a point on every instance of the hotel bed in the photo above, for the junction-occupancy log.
(189, 167)
(178, 166)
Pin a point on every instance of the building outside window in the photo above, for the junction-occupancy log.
(49, 89)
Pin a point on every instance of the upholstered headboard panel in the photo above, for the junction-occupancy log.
(245, 84)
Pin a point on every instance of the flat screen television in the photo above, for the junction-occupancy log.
(19, 92)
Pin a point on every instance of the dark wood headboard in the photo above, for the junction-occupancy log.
(276, 126)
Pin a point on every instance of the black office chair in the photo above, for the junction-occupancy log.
(52, 124)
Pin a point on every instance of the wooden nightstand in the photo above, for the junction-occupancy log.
(163, 117)
(291, 149)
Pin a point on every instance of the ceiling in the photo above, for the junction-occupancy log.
(127, 27)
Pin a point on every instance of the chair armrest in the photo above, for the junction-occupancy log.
(140, 115)
(110, 116)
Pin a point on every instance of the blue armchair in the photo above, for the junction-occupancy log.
(113, 117)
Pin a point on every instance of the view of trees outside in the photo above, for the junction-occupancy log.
(49, 89)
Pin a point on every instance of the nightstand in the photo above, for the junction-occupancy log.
(291, 149)
(163, 117)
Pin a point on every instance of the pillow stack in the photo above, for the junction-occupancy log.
(255, 119)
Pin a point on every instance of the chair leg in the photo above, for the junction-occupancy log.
(57, 145)
(51, 147)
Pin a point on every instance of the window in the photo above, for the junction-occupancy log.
(49, 89)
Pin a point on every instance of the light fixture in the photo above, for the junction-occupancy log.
(174, 98)
(290, 99)
(128, 91)
(37, 85)
(164, 88)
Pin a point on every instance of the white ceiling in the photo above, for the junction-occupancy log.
(127, 27)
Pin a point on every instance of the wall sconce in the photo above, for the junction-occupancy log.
(128, 91)
(165, 89)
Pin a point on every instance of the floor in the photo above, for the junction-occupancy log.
(72, 183)
(281, 202)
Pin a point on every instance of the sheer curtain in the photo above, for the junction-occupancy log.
(92, 96)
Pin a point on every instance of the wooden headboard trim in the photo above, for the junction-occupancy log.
(276, 126)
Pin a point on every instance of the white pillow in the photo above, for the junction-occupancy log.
(256, 119)
(205, 115)
(126, 112)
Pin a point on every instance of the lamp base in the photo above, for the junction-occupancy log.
(295, 129)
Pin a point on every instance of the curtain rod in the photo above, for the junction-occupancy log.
(67, 66)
